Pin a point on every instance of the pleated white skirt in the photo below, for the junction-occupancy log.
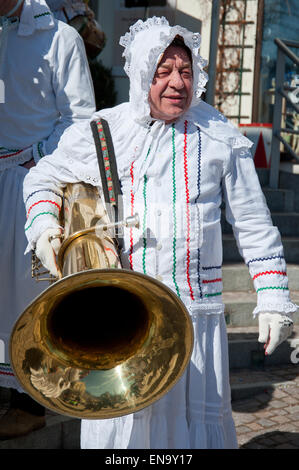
(17, 288)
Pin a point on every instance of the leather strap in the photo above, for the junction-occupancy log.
(108, 171)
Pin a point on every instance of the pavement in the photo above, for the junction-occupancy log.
(269, 417)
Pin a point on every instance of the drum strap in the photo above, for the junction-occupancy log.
(108, 171)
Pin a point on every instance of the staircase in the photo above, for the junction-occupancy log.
(240, 298)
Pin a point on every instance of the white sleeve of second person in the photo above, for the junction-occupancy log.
(72, 83)
(73, 161)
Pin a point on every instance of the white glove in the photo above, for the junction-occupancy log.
(46, 249)
(274, 328)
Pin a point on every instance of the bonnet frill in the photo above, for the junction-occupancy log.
(144, 45)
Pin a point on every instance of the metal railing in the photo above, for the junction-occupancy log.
(283, 51)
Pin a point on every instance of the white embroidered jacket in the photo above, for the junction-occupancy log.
(174, 176)
(47, 84)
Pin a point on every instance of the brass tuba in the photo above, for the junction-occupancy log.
(102, 341)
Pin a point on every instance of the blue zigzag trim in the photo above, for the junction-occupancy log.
(42, 190)
(198, 189)
(205, 268)
(264, 259)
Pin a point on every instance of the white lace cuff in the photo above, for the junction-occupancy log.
(269, 275)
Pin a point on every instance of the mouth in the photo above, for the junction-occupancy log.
(175, 98)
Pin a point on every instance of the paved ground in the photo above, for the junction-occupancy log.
(268, 418)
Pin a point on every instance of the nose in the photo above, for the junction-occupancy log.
(176, 80)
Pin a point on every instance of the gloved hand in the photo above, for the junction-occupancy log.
(274, 328)
(47, 248)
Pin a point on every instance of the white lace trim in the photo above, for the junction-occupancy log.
(193, 39)
(36, 151)
(129, 37)
(283, 307)
(86, 177)
(206, 309)
(166, 35)
(19, 159)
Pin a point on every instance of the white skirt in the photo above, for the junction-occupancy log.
(17, 288)
(195, 414)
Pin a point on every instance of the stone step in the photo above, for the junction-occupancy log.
(263, 175)
(287, 223)
(239, 306)
(246, 352)
(60, 432)
(236, 277)
(231, 253)
(290, 181)
(280, 200)
(263, 382)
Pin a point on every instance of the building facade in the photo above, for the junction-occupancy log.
(245, 61)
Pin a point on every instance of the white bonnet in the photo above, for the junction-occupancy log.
(144, 44)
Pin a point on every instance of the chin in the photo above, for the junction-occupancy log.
(174, 115)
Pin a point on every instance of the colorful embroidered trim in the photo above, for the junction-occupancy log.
(41, 213)
(12, 154)
(196, 200)
(39, 202)
(187, 210)
(205, 268)
(42, 14)
(8, 150)
(132, 213)
(174, 211)
(264, 259)
(282, 273)
(106, 162)
(145, 180)
(144, 223)
(42, 190)
(272, 287)
(39, 149)
(213, 295)
(205, 281)
(5, 369)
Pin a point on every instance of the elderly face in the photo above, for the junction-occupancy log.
(7, 5)
(172, 88)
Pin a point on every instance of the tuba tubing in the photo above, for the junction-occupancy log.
(102, 341)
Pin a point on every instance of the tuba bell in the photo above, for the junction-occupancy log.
(102, 341)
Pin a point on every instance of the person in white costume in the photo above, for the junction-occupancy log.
(65, 10)
(174, 154)
(47, 87)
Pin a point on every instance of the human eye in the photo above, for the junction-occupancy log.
(186, 73)
(162, 73)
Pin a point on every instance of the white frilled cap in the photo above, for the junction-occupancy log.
(144, 45)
